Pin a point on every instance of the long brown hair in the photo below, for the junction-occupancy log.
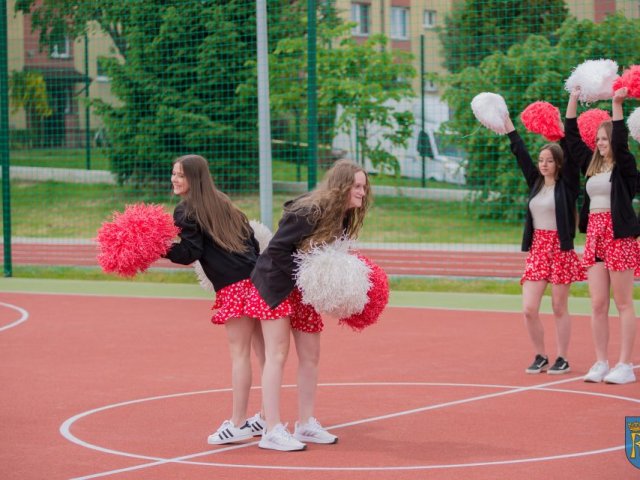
(211, 208)
(597, 160)
(558, 158)
(328, 204)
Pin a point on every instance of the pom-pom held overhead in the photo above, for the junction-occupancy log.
(491, 111)
(332, 280)
(377, 299)
(631, 79)
(262, 233)
(544, 119)
(633, 122)
(134, 239)
(588, 124)
(595, 79)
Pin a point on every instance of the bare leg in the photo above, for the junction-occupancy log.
(622, 285)
(276, 335)
(560, 305)
(308, 349)
(531, 297)
(599, 286)
(239, 331)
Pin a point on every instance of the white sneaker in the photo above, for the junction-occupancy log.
(622, 373)
(312, 432)
(279, 438)
(229, 433)
(597, 372)
(257, 424)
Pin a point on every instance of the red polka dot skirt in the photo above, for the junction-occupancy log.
(231, 302)
(618, 254)
(546, 261)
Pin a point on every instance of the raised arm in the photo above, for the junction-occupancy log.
(620, 136)
(521, 153)
(576, 149)
(572, 104)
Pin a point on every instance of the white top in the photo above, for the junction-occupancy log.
(543, 209)
(599, 190)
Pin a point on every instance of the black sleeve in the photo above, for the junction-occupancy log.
(625, 160)
(293, 228)
(191, 244)
(578, 150)
(570, 168)
(525, 162)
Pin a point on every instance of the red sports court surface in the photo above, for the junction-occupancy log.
(129, 388)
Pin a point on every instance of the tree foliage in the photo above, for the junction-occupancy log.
(530, 71)
(477, 28)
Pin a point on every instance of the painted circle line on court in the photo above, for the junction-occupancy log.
(65, 429)
(23, 316)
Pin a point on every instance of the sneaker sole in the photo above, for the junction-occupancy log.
(534, 372)
(281, 449)
(558, 372)
(229, 440)
(593, 380)
(304, 439)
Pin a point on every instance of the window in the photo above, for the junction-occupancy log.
(360, 15)
(399, 23)
(430, 86)
(61, 48)
(101, 72)
(429, 19)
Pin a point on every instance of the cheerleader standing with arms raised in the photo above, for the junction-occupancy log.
(218, 234)
(548, 237)
(335, 208)
(611, 251)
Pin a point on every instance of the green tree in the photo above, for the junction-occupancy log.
(476, 28)
(530, 71)
(28, 90)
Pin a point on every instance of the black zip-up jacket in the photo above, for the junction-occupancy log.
(624, 179)
(273, 274)
(223, 268)
(565, 193)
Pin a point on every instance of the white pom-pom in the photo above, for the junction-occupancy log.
(491, 111)
(595, 79)
(205, 283)
(262, 233)
(332, 280)
(633, 122)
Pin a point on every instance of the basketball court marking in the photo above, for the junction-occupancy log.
(24, 315)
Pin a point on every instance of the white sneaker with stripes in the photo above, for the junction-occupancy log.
(279, 438)
(229, 433)
(257, 424)
(313, 432)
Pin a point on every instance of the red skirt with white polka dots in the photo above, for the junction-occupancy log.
(231, 302)
(546, 261)
(618, 254)
(303, 317)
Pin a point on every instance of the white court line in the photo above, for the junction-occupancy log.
(24, 315)
(65, 430)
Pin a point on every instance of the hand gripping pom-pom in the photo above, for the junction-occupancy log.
(589, 122)
(595, 79)
(135, 239)
(633, 122)
(332, 280)
(491, 111)
(631, 79)
(377, 299)
(544, 119)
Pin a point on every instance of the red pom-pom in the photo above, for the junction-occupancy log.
(589, 122)
(377, 299)
(544, 119)
(630, 78)
(135, 239)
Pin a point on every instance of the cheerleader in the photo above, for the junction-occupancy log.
(611, 251)
(548, 237)
(336, 208)
(218, 234)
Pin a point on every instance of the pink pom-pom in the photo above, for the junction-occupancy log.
(589, 122)
(377, 299)
(135, 239)
(544, 119)
(631, 79)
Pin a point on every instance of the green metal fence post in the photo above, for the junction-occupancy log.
(312, 96)
(87, 121)
(4, 140)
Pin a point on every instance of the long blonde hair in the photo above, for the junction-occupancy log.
(211, 208)
(597, 160)
(328, 205)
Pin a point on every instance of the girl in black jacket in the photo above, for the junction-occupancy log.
(335, 208)
(548, 235)
(611, 251)
(216, 233)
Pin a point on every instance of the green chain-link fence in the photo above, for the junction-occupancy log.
(101, 96)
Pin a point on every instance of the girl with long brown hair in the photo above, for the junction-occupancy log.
(336, 208)
(217, 234)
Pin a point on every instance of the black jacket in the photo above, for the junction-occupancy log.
(624, 178)
(565, 193)
(273, 274)
(223, 268)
